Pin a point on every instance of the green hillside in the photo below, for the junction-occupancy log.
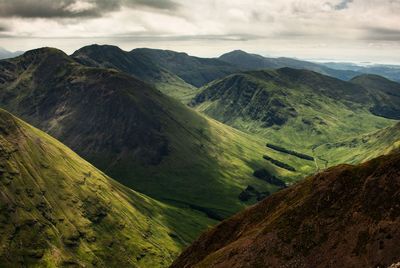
(295, 109)
(57, 210)
(135, 134)
(360, 149)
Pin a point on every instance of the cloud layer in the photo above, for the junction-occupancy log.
(304, 28)
(74, 8)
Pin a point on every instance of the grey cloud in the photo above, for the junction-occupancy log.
(158, 37)
(382, 34)
(3, 28)
(68, 8)
(343, 5)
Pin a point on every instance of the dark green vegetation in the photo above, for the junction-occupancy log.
(279, 163)
(175, 74)
(298, 109)
(247, 61)
(134, 133)
(57, 210)
(263, 174)
(251, 193)
(346, 216)
(286, 151)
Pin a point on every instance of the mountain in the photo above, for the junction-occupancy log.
(137, 64)
(247, 61)
(347, 216)
(385, 93)
(57, 210)
(194, 70)
(175, 74)
(388, 71)
(4, 54)
(298, 110)
(135, 134)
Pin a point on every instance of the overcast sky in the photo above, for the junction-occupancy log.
(346, 30)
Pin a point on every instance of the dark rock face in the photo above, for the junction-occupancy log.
(347, 216)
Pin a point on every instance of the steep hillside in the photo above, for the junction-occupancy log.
(295, 108)
(136, 134)
(247, 61)
(138, 64)
(347, 216)
(57, 210)
(385, 93)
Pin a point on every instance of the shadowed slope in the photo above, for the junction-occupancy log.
(58, 210)
(347, 216)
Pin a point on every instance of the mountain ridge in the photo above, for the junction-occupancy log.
(342, 217)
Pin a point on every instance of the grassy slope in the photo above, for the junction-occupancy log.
(360, 149)
(318, 119)
(63, 210)
(134, 133)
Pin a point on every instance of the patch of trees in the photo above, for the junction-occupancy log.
(279, 163)
(286, 151)
(251, 192)
(264, 175)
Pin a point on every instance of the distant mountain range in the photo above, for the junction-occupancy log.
(391, 72)
(5, 54)
(247, 61)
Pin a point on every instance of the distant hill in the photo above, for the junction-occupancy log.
(136, 64)
(5, 54)
(194, 70)
(134, 133)
(346, 216)
(388, 71)
(57, 210)
(247, 61)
